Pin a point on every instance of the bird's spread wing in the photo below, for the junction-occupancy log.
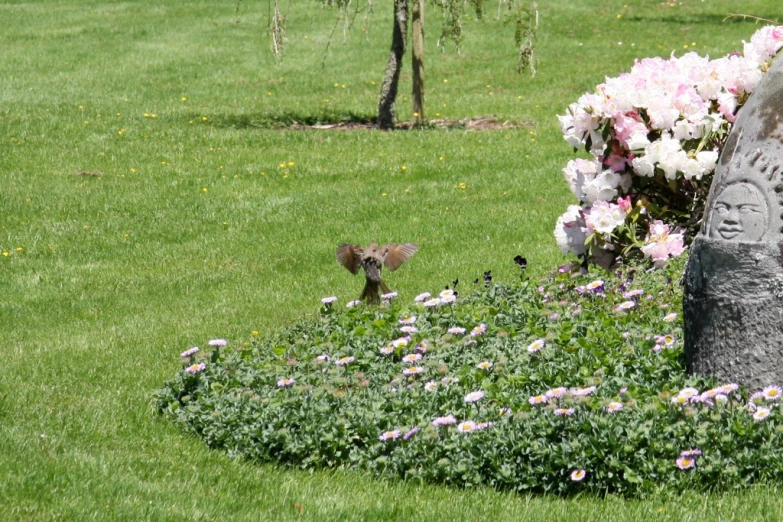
(349, 256)
(397, 253)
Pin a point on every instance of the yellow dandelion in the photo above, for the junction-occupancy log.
(255, 333)
(184, 98)
(6, 253)
(445, 80)
(204, 118)
(404, 167)
(204, 189)
(290, 163)
(20, 249)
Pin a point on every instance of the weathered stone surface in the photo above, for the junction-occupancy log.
(733, 301)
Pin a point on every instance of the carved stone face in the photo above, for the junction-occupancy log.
(739, 213)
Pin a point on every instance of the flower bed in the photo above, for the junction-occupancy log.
(563, 385)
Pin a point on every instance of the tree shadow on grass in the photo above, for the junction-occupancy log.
(349, 121)
(289, 120)
(701, 18)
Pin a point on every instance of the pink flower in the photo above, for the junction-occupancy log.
(582, 392)
(467, 426)
(537, 399)
(444, 421)
(195, 368)
(685, 462)
(690, 453)
(625, 204)
(578, 475)
(478, 330)
(389, 435)
(604, 217)
(422, 297)
(410, 433)
(556, 393)
(189, 352)
(661, 244)
(474, 396)
(411, 358)
(625, 305)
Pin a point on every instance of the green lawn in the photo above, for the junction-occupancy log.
(192, 228)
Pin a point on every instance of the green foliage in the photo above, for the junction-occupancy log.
(332, 415)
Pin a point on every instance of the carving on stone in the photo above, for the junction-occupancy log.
(740, 213)
(733, 299)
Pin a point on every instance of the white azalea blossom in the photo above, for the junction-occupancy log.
(665, 119)
(570, 231)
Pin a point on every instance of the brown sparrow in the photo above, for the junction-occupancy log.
(372, 259)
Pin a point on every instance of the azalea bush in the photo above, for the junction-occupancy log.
(654, 136)
(564, 385)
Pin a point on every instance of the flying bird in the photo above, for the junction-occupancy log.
(372, 259)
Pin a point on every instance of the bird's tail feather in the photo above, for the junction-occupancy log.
(370, 293)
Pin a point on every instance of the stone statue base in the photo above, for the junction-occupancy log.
(733, 311)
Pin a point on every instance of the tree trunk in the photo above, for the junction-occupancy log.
(386, 105)
(417, 19)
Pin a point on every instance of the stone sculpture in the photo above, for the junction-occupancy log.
(733, 301)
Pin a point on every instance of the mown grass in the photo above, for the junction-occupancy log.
(109, 277)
